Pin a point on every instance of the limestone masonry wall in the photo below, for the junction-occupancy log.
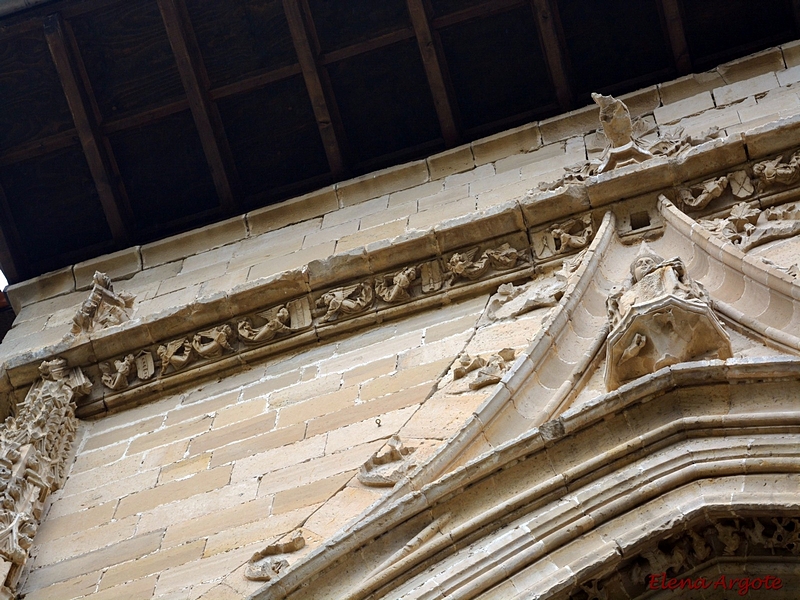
(170, 499)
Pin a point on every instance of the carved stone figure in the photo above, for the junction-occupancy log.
(274, 326)
(618, 128)
(465, 265)
(350, 300)
(563, 238)
(770, 173)
(659, 318)
(708, 191)
(211, 343)
(103, 308)
(492, 372)
(117, 378)
(395, 288)
(177, 353)
(385, 470)
(626, 145)
(259, 569)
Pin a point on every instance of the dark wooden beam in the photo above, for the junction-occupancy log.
(474, 12)
(205, 113)
(554, 50)
(387, 39)
(35, 148)
(307, 57)
(12, 259)
(254, 82)
(88, 131)
(144, 118)
(433, 61)
(677, 36)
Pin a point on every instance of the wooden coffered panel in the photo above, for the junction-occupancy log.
(144, 118)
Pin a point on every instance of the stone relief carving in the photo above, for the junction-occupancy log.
(279, 321)
(626, 146)
(212, 343)
(177, 354)
(261, 328)
(259, 569)
(464, 265)
(688, 551)
(33, 449)
(116, 378)
(103, 308)
(346, 301)
(396, 286)
(775, 172)
(563, 238)
(660, 317)
(489, 371)
(747, 226)
(385, 470)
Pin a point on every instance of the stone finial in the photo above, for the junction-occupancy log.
(615, 119)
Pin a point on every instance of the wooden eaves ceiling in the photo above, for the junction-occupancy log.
(124, 121)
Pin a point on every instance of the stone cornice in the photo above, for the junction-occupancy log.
(516, 221)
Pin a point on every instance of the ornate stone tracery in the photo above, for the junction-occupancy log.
(33, 451)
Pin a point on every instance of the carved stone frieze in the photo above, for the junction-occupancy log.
(396, 287)
(775, 172)
(266, 565)
(472, 266)
(33, 450)
(687, 552)
(103, 308)
(386, 469)
(747, 226)
(176, 354)
(345, 301)
(117, 377)
(563, 238)
(212, 343)
(659, 317)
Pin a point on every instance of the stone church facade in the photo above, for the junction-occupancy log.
(559, 362)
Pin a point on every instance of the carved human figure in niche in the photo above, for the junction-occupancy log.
(211, 343)
(395, 288)
(177, 353)
(660, 317)
(117, 378)
(653, 277)
(103, 308)
(349, 300)
(574, 234)
(278, 324)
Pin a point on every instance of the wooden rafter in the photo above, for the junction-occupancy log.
(677, 36)
(307, 57)
(555, 52)
(14, 266)
(204, 111)
(479, 10)
(92, 142)
(433, 61)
